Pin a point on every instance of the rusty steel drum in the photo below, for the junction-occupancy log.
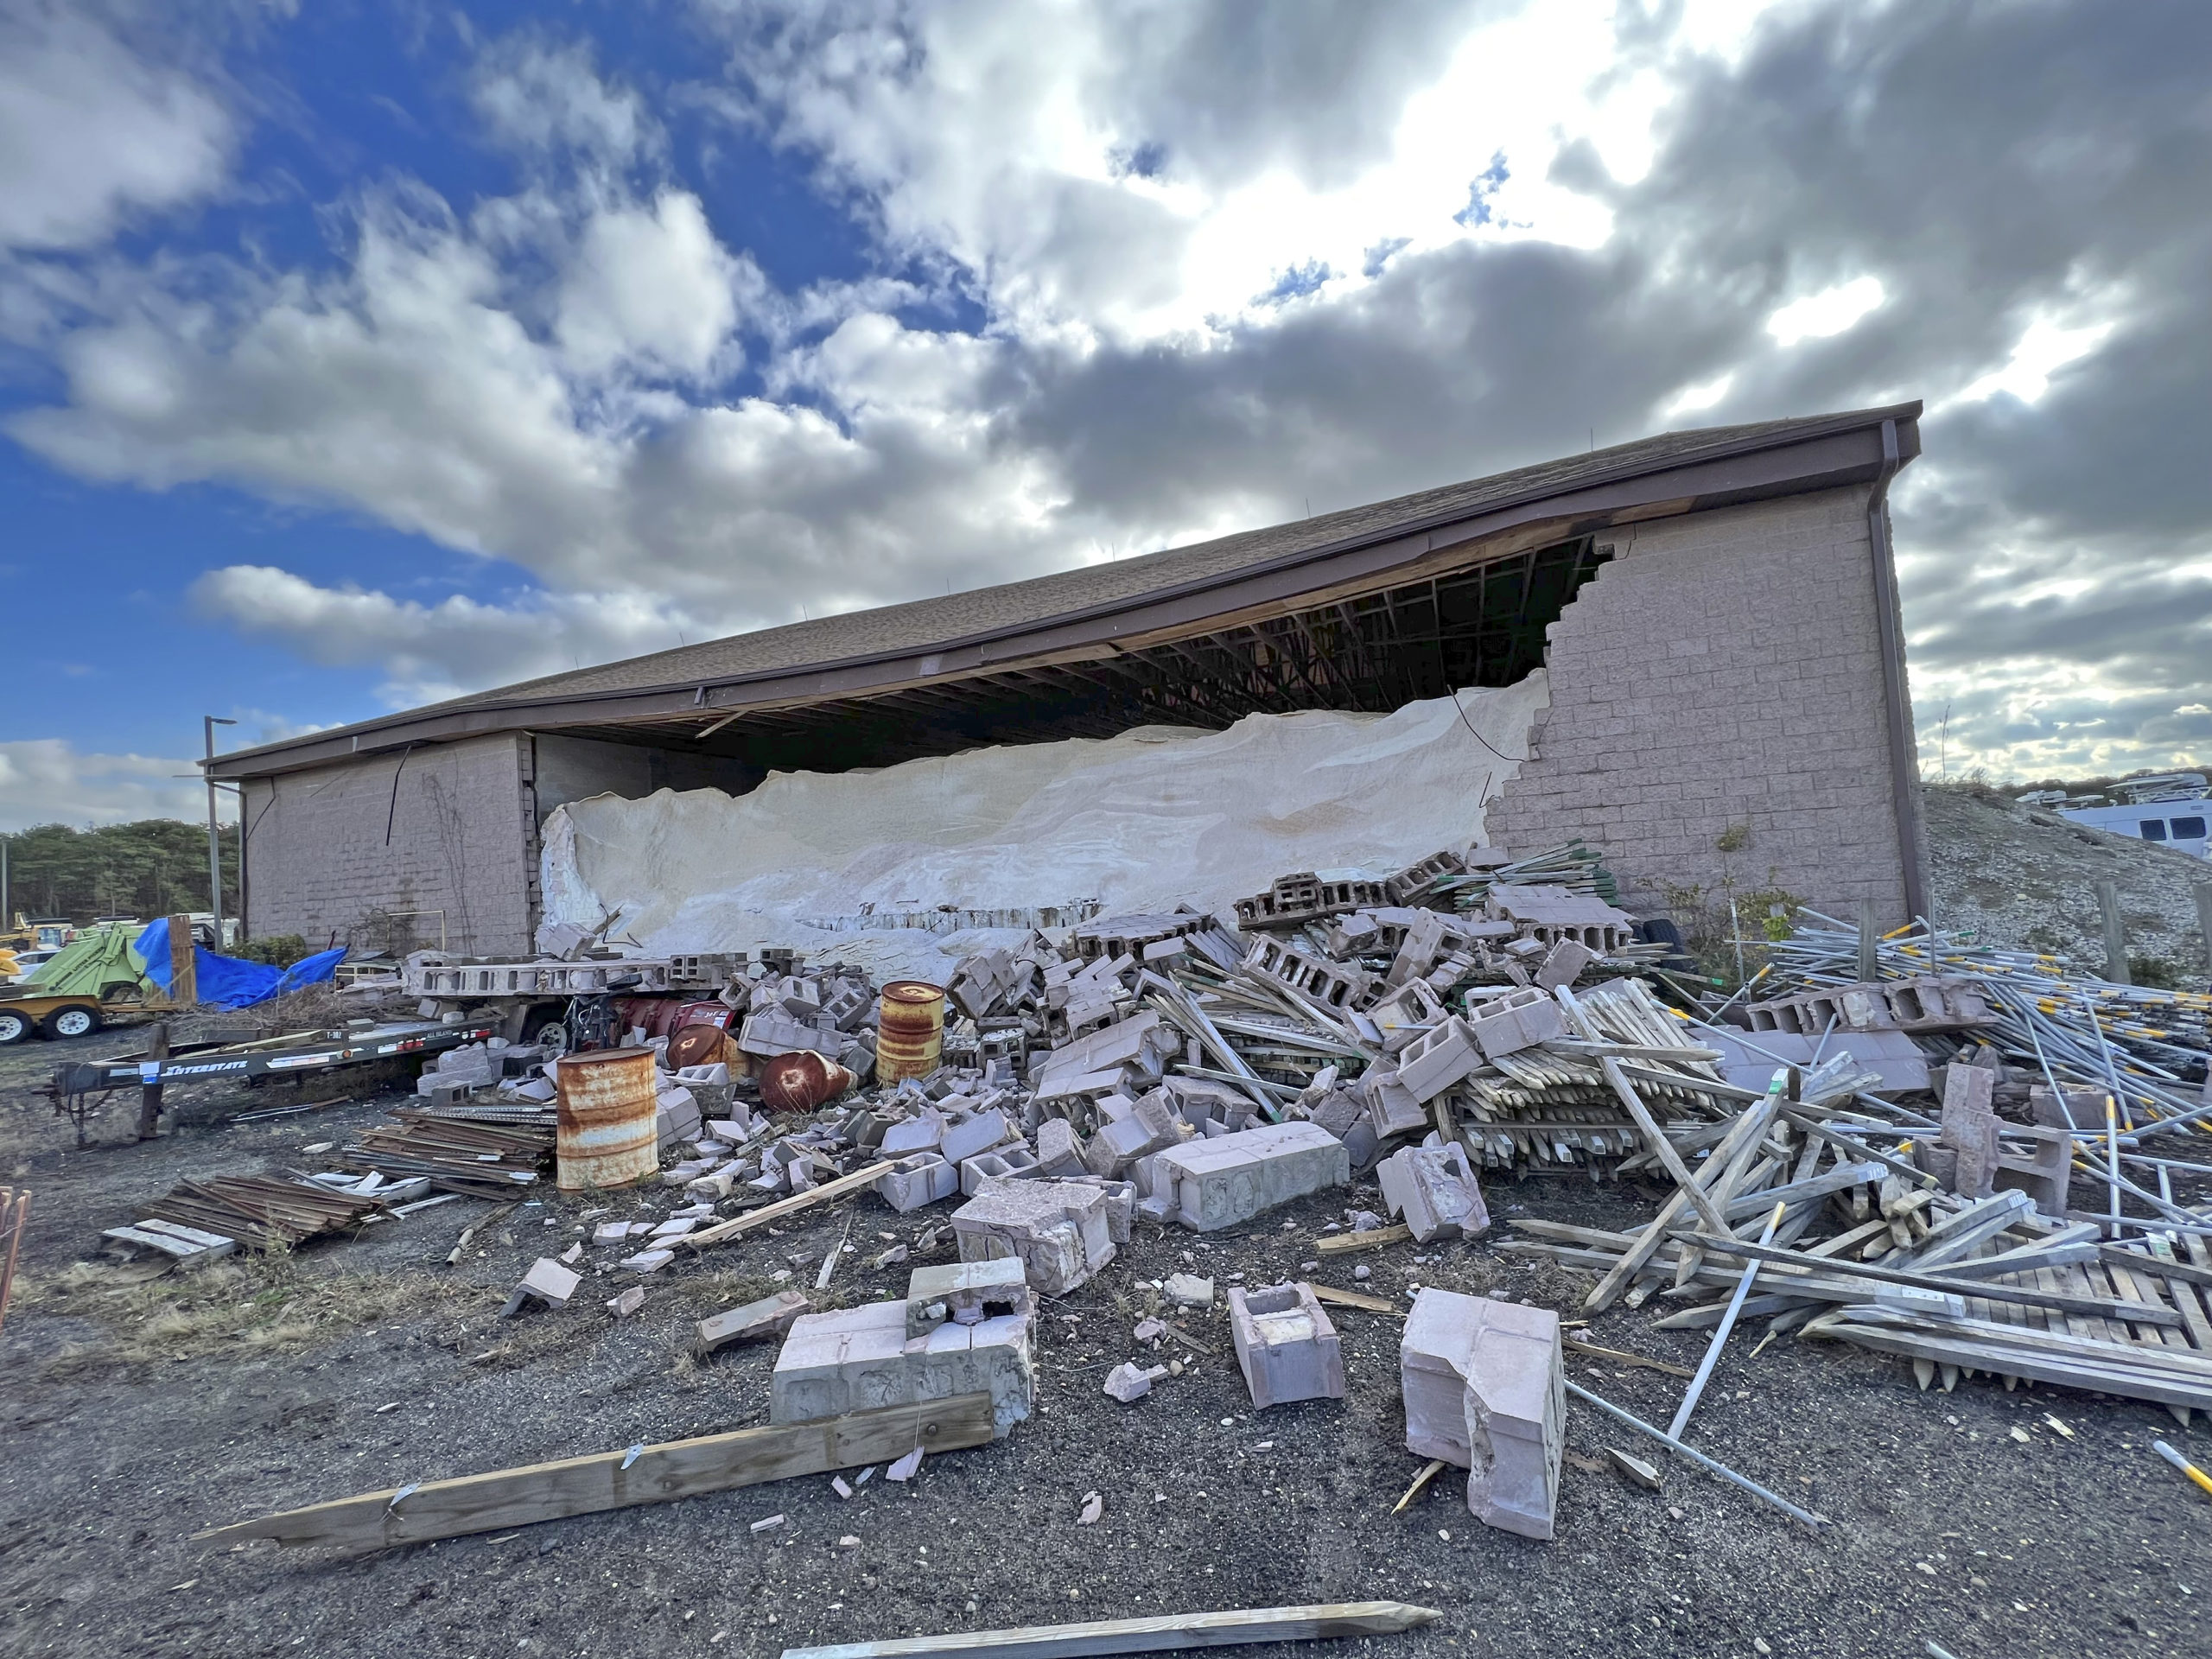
(699, 1045)
(911, 1035)
(606, 1135)
(802, 1081)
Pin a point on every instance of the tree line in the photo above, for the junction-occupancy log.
(156, 867)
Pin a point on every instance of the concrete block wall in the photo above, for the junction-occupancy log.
(1723, 669)
(317, 863)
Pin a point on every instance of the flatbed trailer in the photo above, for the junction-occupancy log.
(294, 1054)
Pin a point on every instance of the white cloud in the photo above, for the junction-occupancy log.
(2046, 346)
(542, 96)
(650, 285)
(91, 131)
(1829, 312)
(46, 781)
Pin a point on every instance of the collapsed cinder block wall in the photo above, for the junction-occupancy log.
(338, 852)
(1724, 672)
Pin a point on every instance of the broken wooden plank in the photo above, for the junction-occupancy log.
(615, 1480)
(1373, 1239)
(1175, 1632)
(1359, 1299)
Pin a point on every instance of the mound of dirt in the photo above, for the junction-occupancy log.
(2022, 878)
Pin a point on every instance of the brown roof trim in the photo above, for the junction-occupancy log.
(1796, 457)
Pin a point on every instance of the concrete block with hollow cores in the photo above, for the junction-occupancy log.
(861, 1358)
(1520, 1019)
(1433, 1190)
(976, 1134)
(1285, 1345)
(1437, 1058)
(1232, 1177)
(1010, 1162)
(1059, 1231)
(1516, 1418)
(910, 1189)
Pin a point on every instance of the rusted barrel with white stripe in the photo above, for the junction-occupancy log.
(607, 1135)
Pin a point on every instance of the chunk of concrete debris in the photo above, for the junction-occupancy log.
(1633, 1469)
(648, 1261)
(1059, 1231)
(628, 1302)
(841, 1486)
(547, 1281)
(572, 1255)
(1093, 1507)
(1232, 1177)
(1148, 1330)
(1434, 1190)
(1188, 1290)
(772, 1316)
(610, 1232)
(906, 1468)
(768, 1524)
(1285, 1345)
(1059, 1155)
(1129, 1382)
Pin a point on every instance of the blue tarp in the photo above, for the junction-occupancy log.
(227, 983)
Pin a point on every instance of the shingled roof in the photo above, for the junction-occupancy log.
(961, 618)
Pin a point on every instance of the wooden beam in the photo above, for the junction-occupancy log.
(615, 1480)
(1174, 1633)
(798, 1201)
(1373, 1239)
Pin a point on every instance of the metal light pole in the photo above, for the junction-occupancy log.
(208, 723)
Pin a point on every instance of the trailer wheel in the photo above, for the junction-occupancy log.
(71, 1020)
(15, 1026)
(548, 1024)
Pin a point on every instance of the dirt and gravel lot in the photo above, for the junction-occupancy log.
(136, 1414)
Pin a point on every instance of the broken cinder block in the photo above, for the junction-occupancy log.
(1059, 1231)
(1516, 1418)
(1232, 1177)
(547, 1281)
(1433, 1190)
(1285, 1345)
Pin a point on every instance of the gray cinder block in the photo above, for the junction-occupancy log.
(1059, 1152)
(1285, 1345)
(1232, 1177)
(1520, 1019)
(910, 1189)
(1437, 1058)
(833, 1363)
(1013, 1161)
(1059, 1231)
(966, 1293)
(1432, 1353)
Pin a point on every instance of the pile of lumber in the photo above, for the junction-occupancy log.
(480, 1160)
(258, 1209)
(1793, 1215)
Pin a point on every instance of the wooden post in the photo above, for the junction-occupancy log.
(2204, 891)
(184, 970)
(2115, 934)
(149, 1094)
(1870, 956)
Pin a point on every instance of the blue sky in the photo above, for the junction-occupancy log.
(352, 355)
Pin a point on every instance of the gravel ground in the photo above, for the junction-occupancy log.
(136, 1415)
(2023, 880)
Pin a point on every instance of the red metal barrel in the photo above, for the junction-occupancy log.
(606, 1135)
(911, 1035)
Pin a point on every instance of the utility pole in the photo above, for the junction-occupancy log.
(207, 725)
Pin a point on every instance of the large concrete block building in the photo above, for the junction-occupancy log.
(1717, 609)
